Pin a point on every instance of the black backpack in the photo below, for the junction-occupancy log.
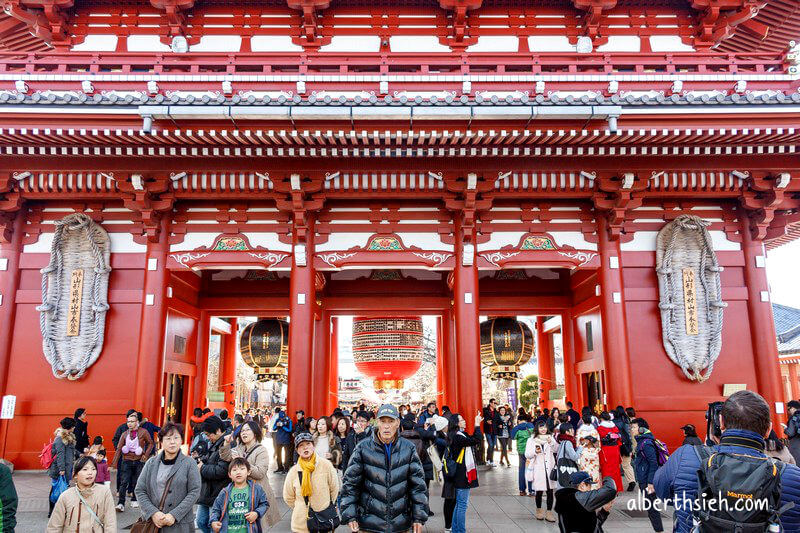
(737, 493)
(449, 465)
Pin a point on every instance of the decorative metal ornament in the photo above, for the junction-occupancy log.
(506, 345)
(72, 316)
(387, 349)
(265, 348)
(690, 296)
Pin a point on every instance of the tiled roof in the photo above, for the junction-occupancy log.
(787, 328)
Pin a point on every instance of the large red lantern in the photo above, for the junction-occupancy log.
(387, 349)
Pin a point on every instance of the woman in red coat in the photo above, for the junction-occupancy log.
(610, 459)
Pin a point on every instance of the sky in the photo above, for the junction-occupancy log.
(783, 272)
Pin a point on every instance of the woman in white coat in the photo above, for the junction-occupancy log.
(540, 460)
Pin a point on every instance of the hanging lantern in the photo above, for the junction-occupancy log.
(388, 349)
(506, 345)
(265, 348)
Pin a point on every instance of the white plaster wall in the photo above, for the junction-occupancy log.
(120, 243)
(645, 241)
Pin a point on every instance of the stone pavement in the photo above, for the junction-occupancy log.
(494, 507)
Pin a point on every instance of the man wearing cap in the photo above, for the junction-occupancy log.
(581, 509)
(690, 436)
(384, 485)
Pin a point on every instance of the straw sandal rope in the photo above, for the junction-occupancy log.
(78, 243)
(686, 243)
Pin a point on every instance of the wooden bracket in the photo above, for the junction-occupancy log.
(718, 20)
(614, 196)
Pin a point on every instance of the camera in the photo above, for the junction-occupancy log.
(713, 421)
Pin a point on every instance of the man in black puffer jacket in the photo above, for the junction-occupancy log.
(384, 484)
(213, 471)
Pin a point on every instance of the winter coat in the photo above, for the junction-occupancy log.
(521, 433)
(103, 474)
(491, 418)
(122, 428)
(258, 503)
(335, 449)
(610, 459)
(793, 433)
(428, 437)
(624, 427)
(282, 429)
(677, 478)
(577, 511)
(71, 516)
(692, 441)
(458, 441)
(540, 455)
(183, 492)
(8, 501)
(258, 457)
(782, 455)
(384, 490)
(645, 463)
(81, 435)
(213, 473)
(324, 490)
(504, 426)
(145, 442)
(63, 453)
(574, 418)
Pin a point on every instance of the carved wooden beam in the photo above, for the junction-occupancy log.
(149, 197)
(310, 37)
(615, 196)
(175, 12)
(764, 196)
(718, 20)
(460, 37)
(46, 19)
(594, 14)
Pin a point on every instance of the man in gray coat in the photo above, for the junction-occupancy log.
(172, 472)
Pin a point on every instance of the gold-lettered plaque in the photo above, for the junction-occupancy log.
(690, 301)
(75, 300)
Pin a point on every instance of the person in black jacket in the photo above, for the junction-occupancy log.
(81, 430)
(645, 465)
(456, 491)
(491, 419)
(213, 471)
(581, 509)
(384, 485)
(690, 436)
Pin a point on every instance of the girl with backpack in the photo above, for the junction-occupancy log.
(540, 460)
(63, 455)
(610, 458)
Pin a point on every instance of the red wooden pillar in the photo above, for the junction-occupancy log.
(227, 367)
(150, 354)
(568, 349)
(544, 359)
(612, 308)
(200, 387)
(794, 386)
(333, 373)
(10, 251)
(467, 329)
(301, 325)
(441, 362)
(762, 327)
(450, 362)
(322, 365)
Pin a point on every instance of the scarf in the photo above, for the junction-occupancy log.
(566, 437)
(307, 465)
(469, 464)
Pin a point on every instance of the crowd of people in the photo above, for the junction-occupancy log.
(371, 469)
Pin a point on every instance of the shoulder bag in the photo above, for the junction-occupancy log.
(147, 526)
(325, 520)
(91, 512)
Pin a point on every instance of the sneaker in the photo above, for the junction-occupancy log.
(134, 504)
(120, 507)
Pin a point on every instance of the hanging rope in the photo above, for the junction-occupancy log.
(78, 244)
(681, 244)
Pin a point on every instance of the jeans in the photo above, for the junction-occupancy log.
(652, 513)
(460, 512)
(129, 476)
(202, 524)
(523, 486)
(491, 441)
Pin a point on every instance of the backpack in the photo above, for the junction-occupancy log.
(522, 437)
(449, 465)
(46, 457)
(662, 452)
(738, 479)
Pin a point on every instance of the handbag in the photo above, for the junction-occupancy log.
(325, 520)
(58, 486)
(436, 461)
(147, 526)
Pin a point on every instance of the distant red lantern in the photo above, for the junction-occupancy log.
(387, 349)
